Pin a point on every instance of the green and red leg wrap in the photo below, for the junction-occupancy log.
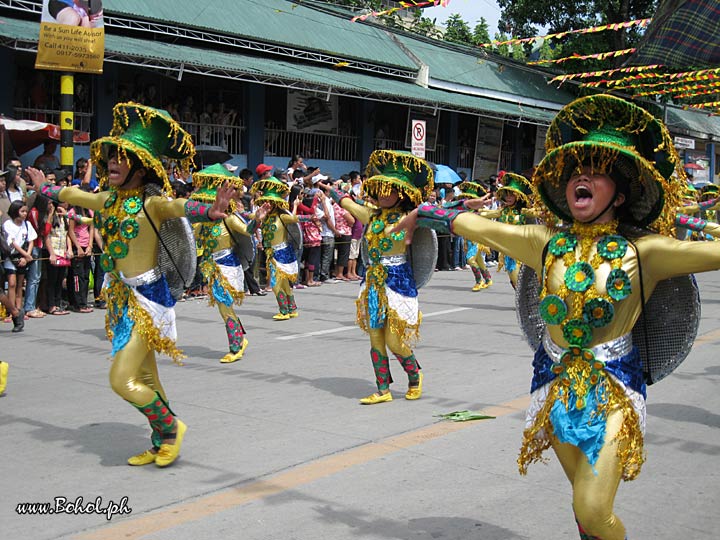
(411, 367)
(161, 419)
(381, 365)
(235, 334)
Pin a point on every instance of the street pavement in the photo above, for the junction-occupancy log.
(278, 447)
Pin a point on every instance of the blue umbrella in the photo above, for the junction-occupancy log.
(445, 175)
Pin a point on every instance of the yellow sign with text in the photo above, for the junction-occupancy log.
(70, 48)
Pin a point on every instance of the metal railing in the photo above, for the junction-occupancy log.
(83, 120)
(279, 142)
(226, 137)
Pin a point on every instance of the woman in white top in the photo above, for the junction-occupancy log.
(20, 237)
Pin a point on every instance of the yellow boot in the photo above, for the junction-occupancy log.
(372, 399)
(170, 452)
(477, 287)
(414, 392)
(281, 316)
(3, 376)
(231, 357)
(147, 457)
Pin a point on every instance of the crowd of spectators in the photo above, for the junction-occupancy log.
(55, 267)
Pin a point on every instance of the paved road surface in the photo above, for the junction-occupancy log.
(278, 447)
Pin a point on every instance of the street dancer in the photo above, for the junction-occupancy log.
(140, 319)
(219, 262)
(514, 195)
(387, 305)
(476, 252)
(608, 176)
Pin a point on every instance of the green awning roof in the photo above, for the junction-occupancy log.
(291, 74)
(697, 124)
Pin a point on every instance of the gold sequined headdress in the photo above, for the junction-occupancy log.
(148, 134)
(622, 140)
(409, 175)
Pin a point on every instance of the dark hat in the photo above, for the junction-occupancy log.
(148, 134)
(402, 171)
(622, 140)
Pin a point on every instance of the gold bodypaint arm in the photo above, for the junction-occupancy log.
(77, 197)
(359, 211)
(288, 218)
(237, 225)
(522, 242)
(663, 257)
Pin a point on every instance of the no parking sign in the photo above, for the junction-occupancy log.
(418, 134)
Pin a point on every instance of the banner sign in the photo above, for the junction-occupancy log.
(487, 147)
(311, 113)
(72, 36)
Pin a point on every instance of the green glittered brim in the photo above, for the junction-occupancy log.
(215, 176)
(408, 174)
(471, 190)
(274, 199)
(382, 186)
(100, 148)
(587, 115)
(645, 199)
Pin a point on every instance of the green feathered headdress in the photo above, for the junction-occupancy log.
(273, 191)
(147, 134)
(624, 141)
(409, 175)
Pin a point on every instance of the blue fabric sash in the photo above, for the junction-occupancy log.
(285, 255)
(229, 260)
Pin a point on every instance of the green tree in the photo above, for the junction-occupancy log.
(525, 18)
(457, 30)
(481, 33)
(502, 50)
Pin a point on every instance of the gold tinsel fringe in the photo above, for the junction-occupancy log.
(118, 294)
(211, 181)
(409, 333)
(212, 273)
(629, 438)
(279, 274)
(382, 186)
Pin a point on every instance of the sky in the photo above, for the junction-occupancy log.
(470, 11)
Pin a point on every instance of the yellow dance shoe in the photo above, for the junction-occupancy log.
(488, 283)
(281, 316)
(146, 458)
(293, 315)
(170, 452)
(414, 392)
(3, 376)
(372, 399)
(231, 357)
(477, 287)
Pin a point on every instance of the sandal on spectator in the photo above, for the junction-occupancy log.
(36, 314)
(58, 311)
(85, 309)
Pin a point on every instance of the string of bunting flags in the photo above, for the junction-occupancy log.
(642, 23)
(403, 5)
(596, 56)
(602, 72)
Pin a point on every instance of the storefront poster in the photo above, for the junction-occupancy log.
(311, 113)
(72, 36)
(487, 147)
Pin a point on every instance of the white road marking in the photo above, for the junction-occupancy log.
(345, 328)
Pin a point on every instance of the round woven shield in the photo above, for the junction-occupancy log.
(243, 246)
(177, 255)
(422, 255)
(294, 235)
(664, 332)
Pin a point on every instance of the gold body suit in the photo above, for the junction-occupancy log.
(224, 275)
(621, 456)
(282, 263)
